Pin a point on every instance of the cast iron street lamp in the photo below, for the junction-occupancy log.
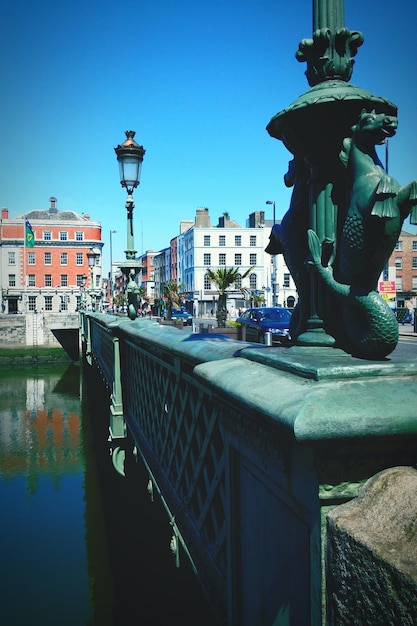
(91, 257)
(83, 296)
(130, 157)
(274, 260)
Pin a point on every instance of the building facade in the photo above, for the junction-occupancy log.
(403, 266)
(43, 260)
(200, 246)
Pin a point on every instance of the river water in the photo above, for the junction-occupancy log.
(79, 543)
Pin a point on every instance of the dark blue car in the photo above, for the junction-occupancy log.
(275, 320)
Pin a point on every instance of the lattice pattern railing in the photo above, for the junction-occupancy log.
(103, 350)
(167, 409)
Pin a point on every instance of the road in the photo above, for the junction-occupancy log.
(406, 348)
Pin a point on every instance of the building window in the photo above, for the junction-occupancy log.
(238, 281)
(79, 235)
(48, 280)
(252, 258)
(252, 240)
(80, 281)
(398, 262)
(207, 258)
(399, 283)
(414, 245)
(12, 258)
(64, 303)
(238, 240)
(207, 282)
(252, 281)
(222, 240)
(238, 259)
(79, 258)
(64, 258)
(31, 280)
(206, 240)
(31, 258)
(63, 235)
(48, 258)
(414, 263)
(48, 303)
(222, 258)
(32, 303)
(98, 279)
(414, 283)
(399, 245)
(12, 280)
(286, 281)
(47, 235)
(64, 280)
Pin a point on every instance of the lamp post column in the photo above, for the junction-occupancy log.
(274, 260)
(130, 156)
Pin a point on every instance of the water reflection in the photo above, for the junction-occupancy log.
(44, 574)
(80, 544)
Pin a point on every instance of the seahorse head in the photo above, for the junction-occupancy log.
(373, 128)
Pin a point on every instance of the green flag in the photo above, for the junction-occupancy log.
(30, 237)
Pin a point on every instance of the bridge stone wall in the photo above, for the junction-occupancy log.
(252, 448)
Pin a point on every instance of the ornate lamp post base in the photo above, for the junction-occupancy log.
(346, 213)
(130, 269)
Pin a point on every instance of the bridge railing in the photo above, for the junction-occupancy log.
(249, 448)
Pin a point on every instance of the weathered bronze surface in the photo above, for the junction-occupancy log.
(346, 213)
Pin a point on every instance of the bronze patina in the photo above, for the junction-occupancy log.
(346, 213)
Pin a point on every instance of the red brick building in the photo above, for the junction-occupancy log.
(403, 265)
(47, 272)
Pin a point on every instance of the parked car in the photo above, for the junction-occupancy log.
(261, 320)
(181, 314)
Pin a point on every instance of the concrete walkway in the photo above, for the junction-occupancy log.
(407, 330)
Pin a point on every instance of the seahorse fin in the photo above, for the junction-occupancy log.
(384, 204)
(407, 200)
(315, 246)
(385, 207)
(386, 186)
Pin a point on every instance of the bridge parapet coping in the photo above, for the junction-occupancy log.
(258, 441)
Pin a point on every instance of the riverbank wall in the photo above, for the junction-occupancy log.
(38, 338)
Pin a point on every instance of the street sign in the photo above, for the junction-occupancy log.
(387, 291)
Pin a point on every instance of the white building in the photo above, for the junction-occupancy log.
(203, 246)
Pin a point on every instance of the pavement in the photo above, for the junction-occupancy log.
(407, 330)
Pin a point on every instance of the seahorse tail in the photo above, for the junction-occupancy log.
(371, 329)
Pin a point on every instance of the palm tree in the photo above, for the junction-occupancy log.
(258, 300)
(223, 278)
(171, 292)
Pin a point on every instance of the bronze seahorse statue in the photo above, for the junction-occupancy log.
(377, 209)
(289, 238)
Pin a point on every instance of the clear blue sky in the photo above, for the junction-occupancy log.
(197, 81)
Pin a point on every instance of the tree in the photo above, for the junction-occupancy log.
(171, 293)
(258, 299)
(223, 278)
(119, 300)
